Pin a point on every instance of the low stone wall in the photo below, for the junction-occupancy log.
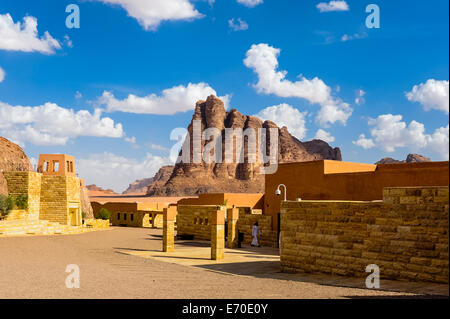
(157, 220)
(16, 214)
(195, 221)
(247, 218)
(406, 235)
(97, 223)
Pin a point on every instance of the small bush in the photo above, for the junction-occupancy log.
(21, 201)
(104, 214)
(6, 204)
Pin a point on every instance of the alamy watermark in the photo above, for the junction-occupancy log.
(73, 279)
(373, 19)
(73, 19)
(373, 280)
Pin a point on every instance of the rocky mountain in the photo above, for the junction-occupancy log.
(86, 206)
(12, 158)
(194, 178)
(160, 179)
(138, 187)
(411, 158)
(94, 189)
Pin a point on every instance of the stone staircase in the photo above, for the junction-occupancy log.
(38, 227)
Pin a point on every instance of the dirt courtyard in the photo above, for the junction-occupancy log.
(128, 263)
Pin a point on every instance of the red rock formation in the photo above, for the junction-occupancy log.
(194, 178)
(12, 158)
(160, 178)
(94, 190)
(138, 187)
(411, 158)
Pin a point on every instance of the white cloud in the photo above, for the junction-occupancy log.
(2, 74)
(131, 140)
(389, 133)
(356, 36)
(177, 99)
(116, 172)
(365, 143)
(286, 115)
(158, 147)
(250, 3)
(360, 97)
(432, 95)
(68, 41)
(333, 6)
(263, 59)
(239, 26)
(324, 136)
(50, 124)
(78, 95)
(150, 14)
(24, 36)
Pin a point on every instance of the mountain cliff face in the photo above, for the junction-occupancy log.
(160, 179)
(138, 187)
(12, 158)
(94, 190)
(411, 158)
(194, 178)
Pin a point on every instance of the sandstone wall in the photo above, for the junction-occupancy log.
(406, 235)
(195, 220)
(28, 183)
(247, 218)
(57, 194)
(332, 180)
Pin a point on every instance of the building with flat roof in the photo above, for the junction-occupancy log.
(54, 192)
(335, 180)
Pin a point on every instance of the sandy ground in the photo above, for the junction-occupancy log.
(127, 263)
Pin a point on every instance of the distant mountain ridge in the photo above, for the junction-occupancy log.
(411, 158)
(139, 186)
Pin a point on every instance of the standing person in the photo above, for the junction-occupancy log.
(255, 233)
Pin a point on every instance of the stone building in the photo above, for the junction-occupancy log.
(133, 214)
(54, 191)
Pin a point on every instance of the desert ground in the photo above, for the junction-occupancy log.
(128, 263)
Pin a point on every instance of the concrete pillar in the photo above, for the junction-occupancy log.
(217, 234)
(232, 218)
(169, 229)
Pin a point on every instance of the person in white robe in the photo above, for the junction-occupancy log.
(255, 233)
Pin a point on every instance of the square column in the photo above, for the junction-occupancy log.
(169, 229)
(217, 234)
(232, 218)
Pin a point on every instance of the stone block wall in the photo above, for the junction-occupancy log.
(406, 235)
(247, 218)
(73, 189)
(57, 193)
(195, 220)
(28, 183)
(157, 220)
(54, 199)
(97, 223)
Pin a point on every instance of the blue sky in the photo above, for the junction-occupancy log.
(390, 84)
